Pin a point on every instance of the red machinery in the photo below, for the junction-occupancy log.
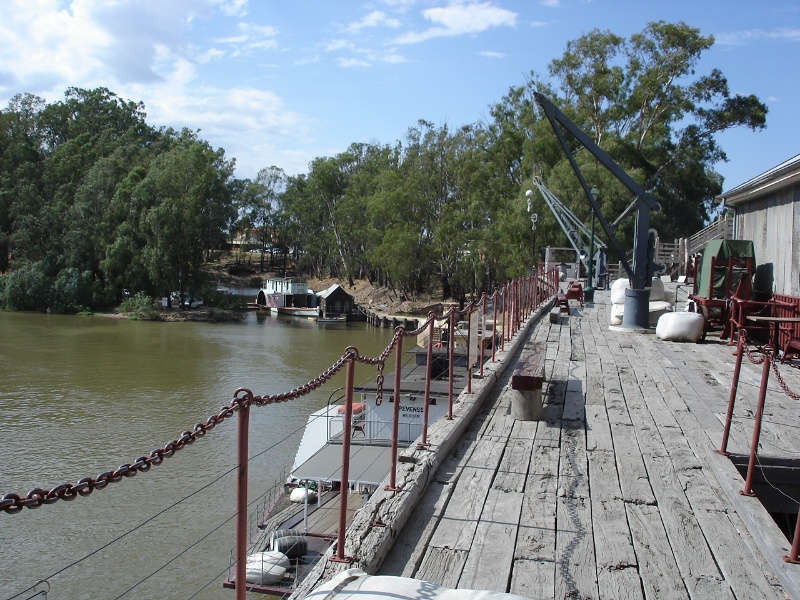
(725, 270)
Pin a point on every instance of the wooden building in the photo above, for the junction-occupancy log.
(767, 211)
(335, 301)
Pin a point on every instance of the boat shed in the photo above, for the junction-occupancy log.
(335, 301)
(767, 211)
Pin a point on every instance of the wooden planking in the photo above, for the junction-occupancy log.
(457, 526)
(622, 475)
(657, 567)
(513, 468)
(442, 566)
(731, 552)
(491, 557)
(534, 567)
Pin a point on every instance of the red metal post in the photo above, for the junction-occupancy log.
(794, 556)
(737, 367)
(344, 488)
(243, 426)
(505, 312)
(494, 322)
(470, 308)
(450, 359)
(762, 395)
(398, 366)
(428, 372)
(450, 344)
(483, 331)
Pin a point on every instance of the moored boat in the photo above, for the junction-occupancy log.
(288, 296)
(315, 480)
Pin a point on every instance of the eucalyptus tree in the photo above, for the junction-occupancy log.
(188, 190)
(643, 102)
(661, 118)
(21, 164)
(259, 203)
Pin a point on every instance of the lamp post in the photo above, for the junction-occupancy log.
(588, 293)
(534, 219)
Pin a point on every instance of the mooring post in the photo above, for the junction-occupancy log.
(723, 449)
(243, 426)
(762, 396)
(344, 487)
(398, 365)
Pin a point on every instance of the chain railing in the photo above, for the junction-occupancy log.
(767, 357)
(516, 300)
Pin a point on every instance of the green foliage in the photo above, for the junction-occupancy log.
(139, 303)
(28, 288)
(94, 201)
(75, 291)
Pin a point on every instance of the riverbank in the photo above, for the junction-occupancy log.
(171, 315)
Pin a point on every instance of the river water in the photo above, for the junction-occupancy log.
(84, 395)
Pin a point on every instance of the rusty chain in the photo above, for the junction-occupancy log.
(756, 361)
(13, 503)
(782, 383)
(771, 356)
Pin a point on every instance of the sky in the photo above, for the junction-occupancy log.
(279, 83)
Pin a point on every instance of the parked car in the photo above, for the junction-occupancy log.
(184, 300)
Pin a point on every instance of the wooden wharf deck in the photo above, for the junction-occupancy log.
(618, 493)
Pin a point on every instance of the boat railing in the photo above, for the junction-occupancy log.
(372, 431)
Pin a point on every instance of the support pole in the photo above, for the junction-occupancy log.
(243, 426)
(737, 368)
(762, 395)
(428, 373)
(398, 366)
(344, 487)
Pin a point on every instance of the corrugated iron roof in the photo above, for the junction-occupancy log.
(776, 176)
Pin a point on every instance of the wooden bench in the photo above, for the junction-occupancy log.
(575, 292)
(526, 383)
(563, 303)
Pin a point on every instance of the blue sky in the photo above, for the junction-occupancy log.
(282, 82)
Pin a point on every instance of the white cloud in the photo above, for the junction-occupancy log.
(376, 18)
(250, 124)
(353, 62)
(233, 8)
(490, 54)
(739, 38)
(460, 18)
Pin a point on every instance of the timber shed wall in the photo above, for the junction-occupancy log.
(773, 223)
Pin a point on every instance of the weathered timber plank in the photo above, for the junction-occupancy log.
(574, 404)
(619, 584)
(685, 535)
(657, 567)
(612, 535)
(598, 429)
(442, 566)
(513, 469)
(542, 481)
(457, 526)
(524, 429)
(743, 571)
(534, 566)
(633, 477)
(576, 574)
(533, 579)
(409, 548)
(491, 557)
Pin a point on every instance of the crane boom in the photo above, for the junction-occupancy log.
(572, 226)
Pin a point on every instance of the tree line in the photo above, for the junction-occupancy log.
(94, 201)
